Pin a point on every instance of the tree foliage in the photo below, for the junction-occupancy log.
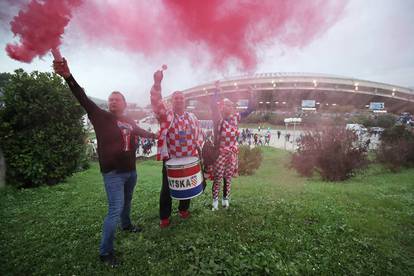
(397, 148)
(381, 120)
(41, 132)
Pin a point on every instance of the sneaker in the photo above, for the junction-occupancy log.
(225, 203)
(164, 223)
(132, 228)
(215, 205)
(109, 260)
(184, 214)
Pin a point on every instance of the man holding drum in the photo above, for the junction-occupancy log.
(179, 139)
(226, 166)
(115, 134)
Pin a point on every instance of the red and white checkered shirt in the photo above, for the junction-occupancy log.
(179, 135)
(228, 133)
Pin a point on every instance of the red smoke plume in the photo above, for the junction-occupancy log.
(40, 27)
(226, 30)
(231, 30)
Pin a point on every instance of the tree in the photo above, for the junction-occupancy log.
(41, 129)
(4, 79)
(397, 148)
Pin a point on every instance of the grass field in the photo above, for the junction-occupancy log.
(278, 224)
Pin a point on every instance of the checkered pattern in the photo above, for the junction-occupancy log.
(227, 163)
(186, 147)
(226, 166)
(169, 144)
(229, 132)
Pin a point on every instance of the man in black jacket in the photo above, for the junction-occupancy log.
(115, 134)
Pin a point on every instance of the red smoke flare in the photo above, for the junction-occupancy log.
(40, 27)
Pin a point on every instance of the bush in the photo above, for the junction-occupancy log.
(381, 120)
(262, 117)
(249, 160)
(397, 148)
(41, 130)
(334, 152)
(254, 117)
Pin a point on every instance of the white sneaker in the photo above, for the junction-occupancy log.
(225, 203)
(215, 205)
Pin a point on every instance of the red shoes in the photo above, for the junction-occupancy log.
(164, 223)
(184, 214)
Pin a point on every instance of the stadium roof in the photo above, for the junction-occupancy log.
(302, 81)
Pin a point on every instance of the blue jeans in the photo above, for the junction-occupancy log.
(119, 189)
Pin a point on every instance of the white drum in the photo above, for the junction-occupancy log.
(185, 177)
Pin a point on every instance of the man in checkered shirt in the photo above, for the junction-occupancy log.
(226, 166)
(180, 136)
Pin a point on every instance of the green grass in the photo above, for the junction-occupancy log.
(278, 223)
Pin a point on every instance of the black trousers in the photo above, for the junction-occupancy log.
(165, 198)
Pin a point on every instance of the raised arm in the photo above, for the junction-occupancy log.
(157, 104)
(215, 112)
(61, 68)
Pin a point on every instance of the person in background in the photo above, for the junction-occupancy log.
(226, 166)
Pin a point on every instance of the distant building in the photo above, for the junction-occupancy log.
(288, 91)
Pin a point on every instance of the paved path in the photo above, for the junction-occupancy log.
(280, 143)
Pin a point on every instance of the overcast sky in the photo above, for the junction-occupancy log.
(373, 40)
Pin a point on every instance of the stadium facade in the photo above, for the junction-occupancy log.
(291, 91)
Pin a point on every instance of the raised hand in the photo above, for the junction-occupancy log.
(61, 68)
(158, 76)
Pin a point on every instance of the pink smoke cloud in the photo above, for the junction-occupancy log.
(226, 31)
(39, 26)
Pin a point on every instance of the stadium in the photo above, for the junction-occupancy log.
(279, 92)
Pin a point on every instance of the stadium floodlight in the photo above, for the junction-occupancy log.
(267, 102)
(260, 102)
(393, 94)
(276, 102)
(283, 102)
(334, 104)
(318, 103)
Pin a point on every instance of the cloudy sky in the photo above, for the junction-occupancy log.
(371, 39)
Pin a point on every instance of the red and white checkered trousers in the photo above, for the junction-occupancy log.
(225, 166)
